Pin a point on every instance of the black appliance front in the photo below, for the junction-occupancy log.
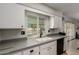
(60, 46)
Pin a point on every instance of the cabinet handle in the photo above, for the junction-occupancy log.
(31, 51)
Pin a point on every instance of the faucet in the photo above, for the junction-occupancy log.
(41, 32)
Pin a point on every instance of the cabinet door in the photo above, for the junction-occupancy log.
(33, 51)
(48, 49)
(52, 50)
(25, 52)
(44, 50)
(72, 47)
(56, 22)
(52, 18)
(11, 16)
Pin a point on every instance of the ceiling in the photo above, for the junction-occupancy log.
(69, 9)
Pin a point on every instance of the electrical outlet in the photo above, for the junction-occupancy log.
(22, 32)
(48, 30)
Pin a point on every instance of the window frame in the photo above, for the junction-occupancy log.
(37, 16)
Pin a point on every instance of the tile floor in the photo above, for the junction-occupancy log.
(72, 53)
(76, 52)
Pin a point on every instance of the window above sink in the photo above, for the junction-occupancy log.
(35, 23)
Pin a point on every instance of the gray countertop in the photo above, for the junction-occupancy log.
(19, 44)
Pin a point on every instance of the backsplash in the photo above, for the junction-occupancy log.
(11, 34)
(53, 31)
(16, 33)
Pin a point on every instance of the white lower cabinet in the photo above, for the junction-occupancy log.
(24, 52)
(45, 49)
(72, 47)
(48, 49)
(31, 51)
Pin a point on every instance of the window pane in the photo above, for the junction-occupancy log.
(41, 25)
(32, 25)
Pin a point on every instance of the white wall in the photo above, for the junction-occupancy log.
(39, 8)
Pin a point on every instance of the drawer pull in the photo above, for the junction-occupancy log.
(31, 51)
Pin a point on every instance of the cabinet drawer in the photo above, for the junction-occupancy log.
(33, 51)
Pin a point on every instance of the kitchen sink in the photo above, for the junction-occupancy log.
(44, 39)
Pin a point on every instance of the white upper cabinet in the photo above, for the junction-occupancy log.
(11, 16)
(52, 18)
(55, 22)
(60, 24)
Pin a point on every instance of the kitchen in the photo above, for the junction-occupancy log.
(37, 29)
